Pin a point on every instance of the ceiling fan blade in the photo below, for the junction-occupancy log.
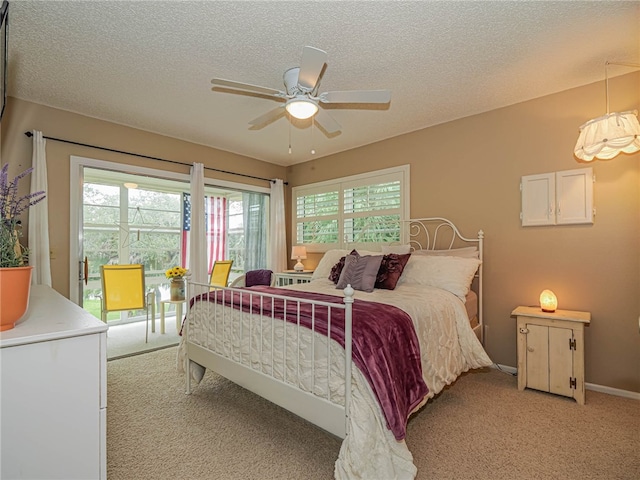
(245, 87)
(356, 96)
(265, 119)
(311, 65)
(326, 122)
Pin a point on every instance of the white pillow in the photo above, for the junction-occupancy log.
(399, 249)
(329, 259)
(453, 274)
(464, 252)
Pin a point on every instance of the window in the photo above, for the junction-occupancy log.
(356, 211)
(149, 222)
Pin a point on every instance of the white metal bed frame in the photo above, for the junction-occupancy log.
(321, 411)
(427, 234)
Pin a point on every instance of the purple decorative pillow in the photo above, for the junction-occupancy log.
(257, 277)
(360, 272)
(336, 270)
(391, 268)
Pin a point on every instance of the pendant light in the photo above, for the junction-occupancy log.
(607, 136)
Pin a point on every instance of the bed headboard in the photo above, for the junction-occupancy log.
(437, 233)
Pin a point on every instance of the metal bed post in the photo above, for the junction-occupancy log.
(348, 302)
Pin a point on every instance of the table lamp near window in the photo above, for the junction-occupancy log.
(298, 252)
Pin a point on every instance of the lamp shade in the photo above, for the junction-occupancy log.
(301, 107)
(548, 301)
(607, 136)
(298, 252)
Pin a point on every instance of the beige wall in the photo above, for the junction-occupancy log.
(467, 170)
(22, 116)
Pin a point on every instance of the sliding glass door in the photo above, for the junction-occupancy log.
(132, 217)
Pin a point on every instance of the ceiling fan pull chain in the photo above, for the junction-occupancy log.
(313, 123)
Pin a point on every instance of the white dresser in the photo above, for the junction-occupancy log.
(53, 397)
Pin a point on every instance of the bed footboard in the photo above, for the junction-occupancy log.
(276, 346)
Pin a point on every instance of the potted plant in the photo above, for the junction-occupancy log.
(15, 274)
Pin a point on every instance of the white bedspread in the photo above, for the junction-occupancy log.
(370, 451)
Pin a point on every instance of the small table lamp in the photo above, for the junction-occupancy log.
(548, 301)
(298, 252)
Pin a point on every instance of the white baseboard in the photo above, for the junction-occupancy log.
(612, 391)
(588, 386)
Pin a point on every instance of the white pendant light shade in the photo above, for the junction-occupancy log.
(301, 107)
(607, 136)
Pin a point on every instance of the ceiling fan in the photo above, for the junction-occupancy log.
(301, 98)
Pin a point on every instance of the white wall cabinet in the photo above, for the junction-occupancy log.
(559, 198)
(53, 412)
(551, 351)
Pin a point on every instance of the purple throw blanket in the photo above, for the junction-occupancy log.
(385, 345)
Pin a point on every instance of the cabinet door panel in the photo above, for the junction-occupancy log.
(50, 413)
(561, 361)
(538, 357)
(574, 196)
(538, 196)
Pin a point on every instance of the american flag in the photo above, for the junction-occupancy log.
(216, 217)
(216, 226)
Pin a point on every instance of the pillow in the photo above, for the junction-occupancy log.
(328, 260)
(334, 276)
(391, 268)
(464, 252)
(453, 274)
(399, 249)
(257, 277)
(360, 272)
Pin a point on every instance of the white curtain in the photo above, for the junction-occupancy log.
(256, 222)
(278, 244)
(197, 238)
(39, 216)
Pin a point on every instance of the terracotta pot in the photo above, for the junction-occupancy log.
(15, 285)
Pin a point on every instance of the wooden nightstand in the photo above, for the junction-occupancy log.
(551, 351)
(291, 277)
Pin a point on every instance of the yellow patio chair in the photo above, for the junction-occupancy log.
(220, 273)
(123, 289)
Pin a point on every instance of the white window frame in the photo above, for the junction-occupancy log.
(77, 165)
(401, 173)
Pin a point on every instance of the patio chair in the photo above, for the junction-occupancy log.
(123, 289)
(220, 273)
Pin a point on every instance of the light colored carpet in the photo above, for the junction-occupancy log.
(480, 428)
(128, 339)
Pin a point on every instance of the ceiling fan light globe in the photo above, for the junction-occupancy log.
(301, 108)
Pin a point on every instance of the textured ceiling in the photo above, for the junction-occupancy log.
(149, 64)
